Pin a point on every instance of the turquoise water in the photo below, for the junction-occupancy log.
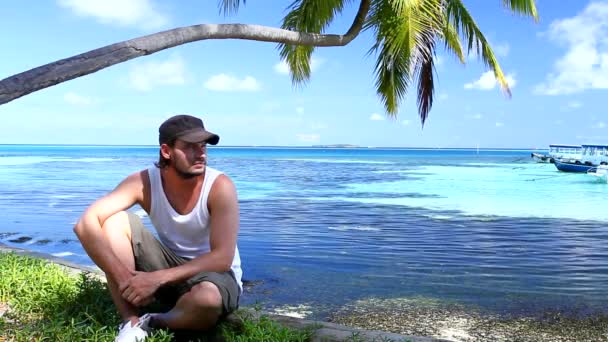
(325, 227)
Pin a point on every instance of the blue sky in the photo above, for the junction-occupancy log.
(558, 70)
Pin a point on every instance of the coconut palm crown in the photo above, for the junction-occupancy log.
(407, 33)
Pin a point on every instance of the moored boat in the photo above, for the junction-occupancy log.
(541, 158)
(591, 156)
(571, 166)
(566, 152)
(594, 154)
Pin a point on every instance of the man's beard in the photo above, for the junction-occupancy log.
(187, 174)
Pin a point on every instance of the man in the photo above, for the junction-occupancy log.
(194, 270)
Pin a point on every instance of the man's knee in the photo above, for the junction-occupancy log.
(117, 224)
(207, 296)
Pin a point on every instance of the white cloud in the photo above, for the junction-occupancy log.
(499, 124)
(487, 81)
(574, 104)
(147, 75)
(300, 110)
(223, 82)
(308, 138)
(282, 67)
(140, 13)
(585, 63)
(600, 125)
(376, 117)
(79, 100)
(405, 122)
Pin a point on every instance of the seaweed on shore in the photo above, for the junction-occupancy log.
(456, 322)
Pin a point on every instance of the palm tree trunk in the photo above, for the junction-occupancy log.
(89, 62)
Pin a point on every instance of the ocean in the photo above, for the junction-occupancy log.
(322, 228)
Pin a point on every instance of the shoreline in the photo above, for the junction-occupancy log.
(423, 319)
(323, 331)
(457, 322)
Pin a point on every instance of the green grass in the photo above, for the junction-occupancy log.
(48, 304)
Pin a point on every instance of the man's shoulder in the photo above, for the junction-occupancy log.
(217, 175)
(141, 176)
(213, 171)
(221, 184)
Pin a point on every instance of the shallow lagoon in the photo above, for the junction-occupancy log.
(323, 228)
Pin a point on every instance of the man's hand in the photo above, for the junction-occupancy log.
(140, 288)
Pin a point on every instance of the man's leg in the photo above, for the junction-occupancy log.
(197, 309)
(117, 230)
(204, 298)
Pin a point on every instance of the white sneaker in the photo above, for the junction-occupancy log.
(134, 333)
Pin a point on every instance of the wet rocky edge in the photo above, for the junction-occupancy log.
(427, 317)
(18, 238)
(416, 317)
(321, 331)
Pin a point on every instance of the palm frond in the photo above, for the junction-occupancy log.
(430, 10)
(424, 71)
(458, 16)
(311, 16)
(402, 27)
(452, 41)
(393, 47)
(393, 77)
(297, 58)
(229, 7)
(523, 7)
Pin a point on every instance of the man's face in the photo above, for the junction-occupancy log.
(189, 159)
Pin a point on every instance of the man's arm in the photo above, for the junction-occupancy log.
(224, 227)
(88, 229)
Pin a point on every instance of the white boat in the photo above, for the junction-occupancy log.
(567, 153)
(541, 157)
(590, 157)
(594, 155)
(600, 172)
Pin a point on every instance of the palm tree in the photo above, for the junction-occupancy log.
(407, 33)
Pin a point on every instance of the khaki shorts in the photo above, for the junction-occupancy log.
(151, 255)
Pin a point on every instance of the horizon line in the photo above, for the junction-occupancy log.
(320, 146)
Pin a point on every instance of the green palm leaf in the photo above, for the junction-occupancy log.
(425, 69)
(311, 16)
(452, 41)
(229, 7)
(297, 58)
(458, 16)
(523, 7)
(405, 32)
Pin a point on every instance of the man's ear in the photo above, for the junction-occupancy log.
(165, 151)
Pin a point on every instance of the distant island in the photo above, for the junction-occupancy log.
(336, 146)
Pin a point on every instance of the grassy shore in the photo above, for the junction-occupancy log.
(41, 301)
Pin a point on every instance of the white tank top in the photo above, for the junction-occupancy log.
(186, 235)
